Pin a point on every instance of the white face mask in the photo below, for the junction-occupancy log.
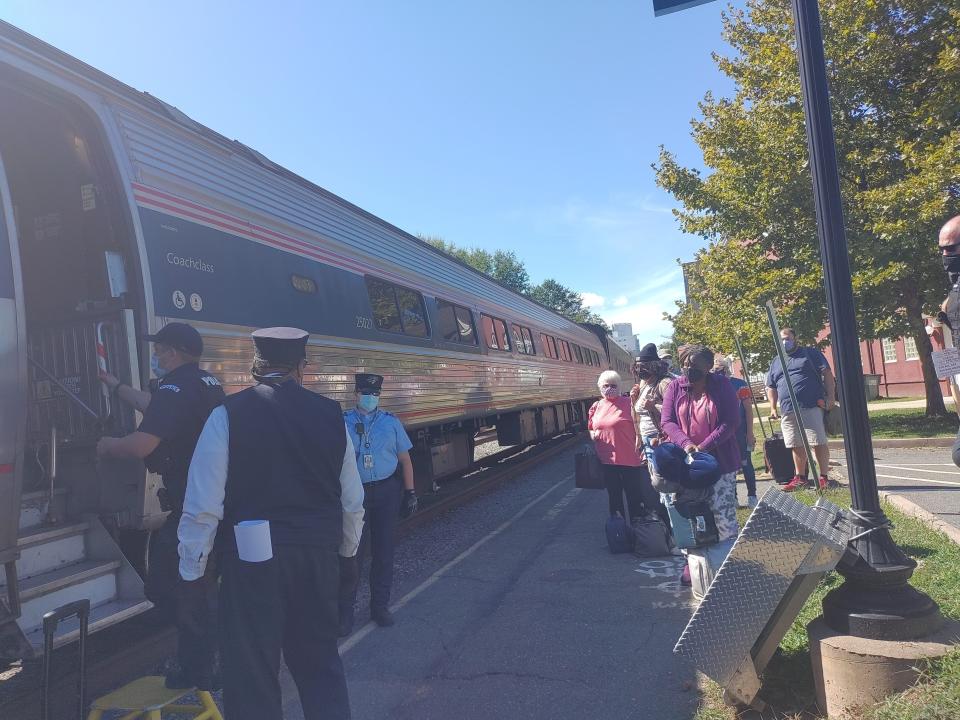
(158, 372)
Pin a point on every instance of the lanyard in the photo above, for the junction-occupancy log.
(367, 429)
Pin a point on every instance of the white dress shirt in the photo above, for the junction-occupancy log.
(206, 484)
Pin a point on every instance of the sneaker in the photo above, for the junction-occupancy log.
(752, 501)
(382, 616)
(798, 483)
(828, 484)
(685, 577)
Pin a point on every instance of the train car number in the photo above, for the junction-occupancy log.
(364, 323)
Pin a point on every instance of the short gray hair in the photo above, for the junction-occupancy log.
(611, 377)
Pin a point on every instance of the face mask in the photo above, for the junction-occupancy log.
(694, 374)
(643, 373)
(610, 392)
(155, 368)
(789, 344)
(951, 263)
(368, 403)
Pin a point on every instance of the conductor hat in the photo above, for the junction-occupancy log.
(368, 383)
(281, 345)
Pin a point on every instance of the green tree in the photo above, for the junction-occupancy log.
(894, 71)
(502, 265)
(505, 267)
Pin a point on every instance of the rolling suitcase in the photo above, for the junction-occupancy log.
(778, 458)
(80, 608)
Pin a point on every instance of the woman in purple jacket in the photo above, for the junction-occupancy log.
(701, 412)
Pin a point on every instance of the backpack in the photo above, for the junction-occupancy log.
(651, 538)
(619, 535)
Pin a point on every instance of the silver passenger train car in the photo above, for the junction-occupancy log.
(118, 214)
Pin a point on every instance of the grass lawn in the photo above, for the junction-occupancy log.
(911, 422)
(788, 680)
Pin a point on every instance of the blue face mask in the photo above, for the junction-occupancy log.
(155, 368)
(789, 344)
(368, 403)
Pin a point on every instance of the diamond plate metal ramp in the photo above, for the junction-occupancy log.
(783, 551)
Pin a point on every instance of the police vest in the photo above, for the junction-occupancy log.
(953, 313)
(197, 394)
(286, 452)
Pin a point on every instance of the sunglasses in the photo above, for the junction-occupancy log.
(950, 249)
(370, 392)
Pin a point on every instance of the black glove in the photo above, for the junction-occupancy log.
(409, 506)
(349, 575)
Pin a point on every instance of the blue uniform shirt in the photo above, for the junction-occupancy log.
(805, 365)
(383, 439)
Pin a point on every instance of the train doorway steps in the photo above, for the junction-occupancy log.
(71, 560)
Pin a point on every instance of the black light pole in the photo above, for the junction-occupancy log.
(876, 600)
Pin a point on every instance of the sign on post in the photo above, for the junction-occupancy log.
(664, 7)
(946, 362)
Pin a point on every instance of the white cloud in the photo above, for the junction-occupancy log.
(621, 301)
(592, 300)
(644, 307)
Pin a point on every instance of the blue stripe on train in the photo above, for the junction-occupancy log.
(199, 273)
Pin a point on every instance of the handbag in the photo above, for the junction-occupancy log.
(619, 535)
(588, 470)
(693, 523)
(651, 538)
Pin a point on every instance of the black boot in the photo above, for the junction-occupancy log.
(346, 621)
(381, 616)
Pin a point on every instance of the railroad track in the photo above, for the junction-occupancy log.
(139, 646)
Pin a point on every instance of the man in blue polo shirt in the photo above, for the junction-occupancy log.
(383, 458)
(815, 388)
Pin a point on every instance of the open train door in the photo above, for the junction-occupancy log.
(13, 401)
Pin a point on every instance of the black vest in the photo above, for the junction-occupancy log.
(953, 313)
(286, 452)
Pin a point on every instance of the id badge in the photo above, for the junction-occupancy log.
(368, 462)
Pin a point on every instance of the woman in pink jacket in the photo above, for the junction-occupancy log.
(615, 437)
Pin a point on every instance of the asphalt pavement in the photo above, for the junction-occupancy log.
(512, 607)
(925, 476)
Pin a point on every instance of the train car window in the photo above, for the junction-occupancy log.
(596, 358)
(545, 342)
(494, 333)
(565, 351)
(578, 353)
(383, 300)
(553, 347)
(518, 339)
(528, 341)
(447, 321)
(502, 333)
(455, 323)
(412, 313)
(468, 336)
(303, 284)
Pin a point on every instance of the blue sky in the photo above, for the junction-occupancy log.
(527, 126)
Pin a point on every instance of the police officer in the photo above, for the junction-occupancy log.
(279, 453)
(382, 449)
(174, 411)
